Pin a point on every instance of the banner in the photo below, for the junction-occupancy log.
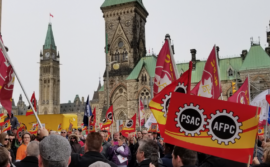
(130, 126)
(154, 127)
(166, 71)
(19, 134)
(261, 102)
(160, 103)
(34, 104)
(219, 128)
(242, 94)
(210, 85)
(108, 120)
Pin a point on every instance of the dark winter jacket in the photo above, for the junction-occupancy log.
(113, 152)
(29, 161)
(87, 159)
(133, 150)
(212, 161)
(13, 157)
(75, 146)
(167, 160)
(105, 149)
(13, 121)
(145, 163)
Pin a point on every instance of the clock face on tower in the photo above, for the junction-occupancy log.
(47, 55)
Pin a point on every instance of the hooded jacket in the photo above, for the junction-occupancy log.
(75, 146)
(13, 121)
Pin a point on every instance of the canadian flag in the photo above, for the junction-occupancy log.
(141, 114)
(166, 71)
(210, 85)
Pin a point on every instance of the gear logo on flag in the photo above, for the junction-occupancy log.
(104, 120)
(190, 119)
(20, 134)
(91, 127)
(92, 119)
(109, 115)
(224, 127)
(129, 123)
(181, 88)
(165, 105)
(6, 125)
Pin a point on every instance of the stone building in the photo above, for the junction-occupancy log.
(130, 79)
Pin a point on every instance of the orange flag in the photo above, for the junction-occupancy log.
(160, 103)
(34, 104)
(220, 128)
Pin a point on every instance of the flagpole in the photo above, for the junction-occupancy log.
(172, 57)
(17, 76)
(218, 71)
(140, 115)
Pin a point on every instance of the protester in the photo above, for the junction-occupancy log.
(139, 135)
(5, 142)
(64, 133)
(54, 152)
(32, 153)
(147, 153)
(105, 146)
(14, 123)
(99, 164)
(213, 161)
(21, 152)
(119, 148)
(155, 136)
(144, 133)
(15, 144)
(150, 136)
(132, 147)
(82, 138)
(265, 158)
(161, 142)
(75, 146)
(167, 159)
(183, 157)
(4, 157)
(92, 154)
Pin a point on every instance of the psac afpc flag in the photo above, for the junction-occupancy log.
(223, 129)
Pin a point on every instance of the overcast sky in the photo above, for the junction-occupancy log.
(79, 33)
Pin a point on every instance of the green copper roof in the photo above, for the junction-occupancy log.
(149, 62)
(102, 88)
(77, 96)
(107, 3)
(256, 58)
(49, 41)
(224, 65)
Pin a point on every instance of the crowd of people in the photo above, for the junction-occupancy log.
(98, 149)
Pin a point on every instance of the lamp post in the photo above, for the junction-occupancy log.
(107, 79)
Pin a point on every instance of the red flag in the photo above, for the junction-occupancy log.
(141, 114)
(19, 133)
(34, 104)
(220, 128)
(160, 103)
(108, 118)
(130, 126)
(7, 126)
(2, 119)
(51, 15)
(3, 67)
(166, 71)
(7, 91)
(93, 117)
(242, 94)
(210, 85)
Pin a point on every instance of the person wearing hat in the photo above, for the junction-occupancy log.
(54, 151)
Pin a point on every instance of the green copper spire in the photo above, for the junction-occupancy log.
(49, 41)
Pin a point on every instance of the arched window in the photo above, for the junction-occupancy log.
(145, 97)
(230, 72)
(125, 55)
(117, 57)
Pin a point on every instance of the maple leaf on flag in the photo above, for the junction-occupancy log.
(206, 88)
